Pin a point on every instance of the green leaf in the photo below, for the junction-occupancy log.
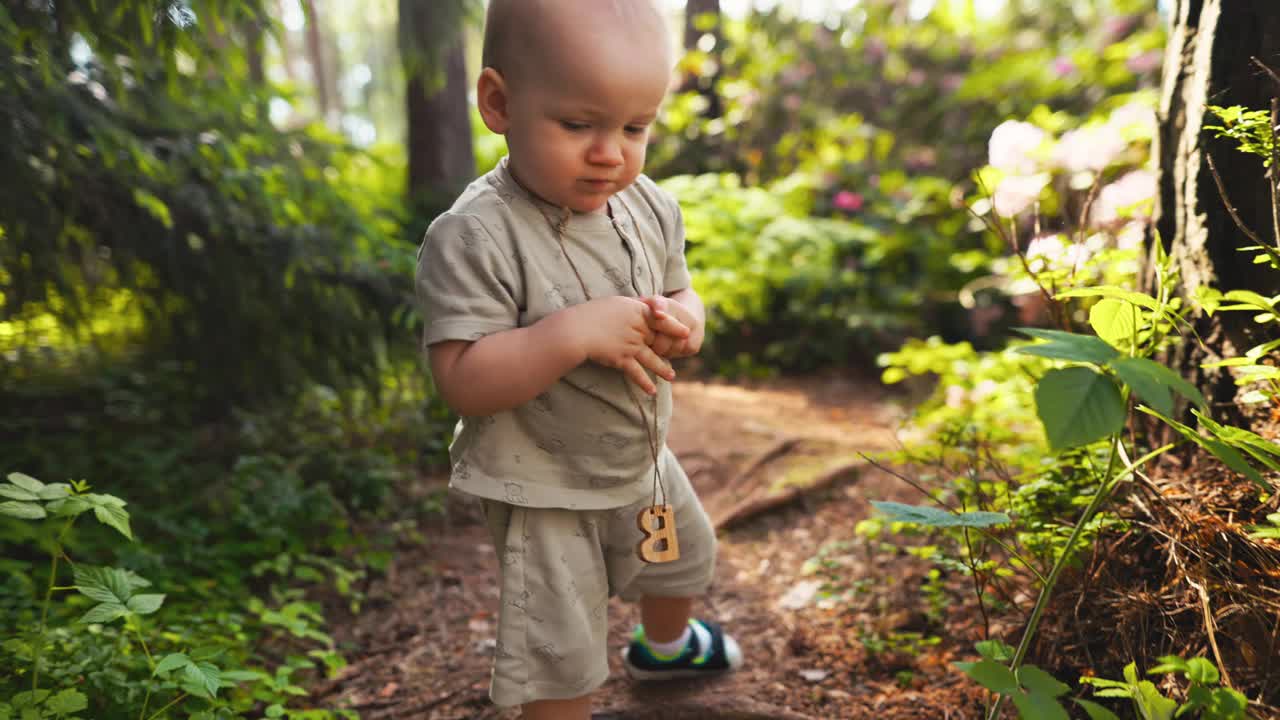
(997, 650)
(30, 698)
(26, 482)
(1153, 705)
(18, 493)
(1110, 291)
(145, 604)
(1202, 671)
(1114, 321)
(1077, 406)
(1166, 377)
(1136, 373)
(104, 612)
(55, 491)
(934, 517)
(115, 517)
(1039, 681)
(1096, 711)
(1038, 706)
(202, 679)
(68, 507)
(991, 675)
(171, 662)
(1068, 346)
(238, 676)
(23, 510)
(66, 702)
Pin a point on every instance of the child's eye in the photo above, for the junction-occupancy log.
(635, 129)
(573, 126)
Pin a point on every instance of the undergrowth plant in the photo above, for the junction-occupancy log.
(107, 661)
(1086, 397)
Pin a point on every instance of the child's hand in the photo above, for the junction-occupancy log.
(669, 345)
(616, 332)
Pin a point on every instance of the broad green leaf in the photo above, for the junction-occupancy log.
(1164, 376)
(26, 482)
(202, 679)
(1262, 449)
(997, 650)
(1110, 291)
(55, 491)
(1168, 664)
(1068, 346)
(1096, 711)
(1038, 706)
(115, 517)
(1077, 406)
(935, 517)
(991, 675)
(1250, 300)
(1202, 671)
(1234, 460)
(1039, 681)
(145, 604)
(68, 506)
(23, 510)
(104, 612)
(1141, 380)
(66, 702)
(30, 698)
(1152, 704)
(1114, 321)
(171, 662)
(18, 493)
(238, 676)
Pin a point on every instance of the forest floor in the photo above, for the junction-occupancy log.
(830, 627)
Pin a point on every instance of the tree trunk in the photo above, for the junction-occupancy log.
(695, 14)
(1209, 61)
(441, 159)
(315, 53)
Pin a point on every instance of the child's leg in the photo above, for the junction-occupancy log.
(575, 709)
(665, 618)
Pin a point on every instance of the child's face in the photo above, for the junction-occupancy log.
(577, 119)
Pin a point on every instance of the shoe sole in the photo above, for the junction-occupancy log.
(636, 673)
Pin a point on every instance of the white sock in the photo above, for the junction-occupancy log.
(668, 649)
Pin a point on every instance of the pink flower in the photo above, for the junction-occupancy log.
(1144, 62)
(1129, 197)
(1016, 193)
(1062, 66)
(1014, 145)
(1090, 148)
(847, 201)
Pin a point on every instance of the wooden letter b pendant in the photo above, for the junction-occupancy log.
(658, 523)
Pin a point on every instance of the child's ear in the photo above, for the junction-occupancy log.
(493, 100)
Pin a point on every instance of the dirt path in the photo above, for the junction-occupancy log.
(830, 627)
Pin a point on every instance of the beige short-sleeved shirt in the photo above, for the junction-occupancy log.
(493, 263)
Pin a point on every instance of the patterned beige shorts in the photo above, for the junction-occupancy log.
(558, 569)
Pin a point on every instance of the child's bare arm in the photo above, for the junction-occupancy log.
(509, 368)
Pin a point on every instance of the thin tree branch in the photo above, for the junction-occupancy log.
(1231, 209)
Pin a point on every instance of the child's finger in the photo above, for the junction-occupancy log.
(636, 374)
(669, 325)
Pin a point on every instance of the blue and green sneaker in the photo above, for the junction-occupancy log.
(709, 652)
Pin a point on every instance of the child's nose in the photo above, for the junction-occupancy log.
(606, 150)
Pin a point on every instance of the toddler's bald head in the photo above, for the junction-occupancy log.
(533, 39)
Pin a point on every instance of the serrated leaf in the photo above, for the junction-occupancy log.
(1068, 346)
(991, 675)
(1039, 681)
(55, 491)
(934, 517)
(66, 702)
(1114, 321)
(23, 510)
(115, 517)
(104, 613)
(1096, 711)
(996, 650)
(145, 604)
(24, 481)
(202, 677)
(18, 493)
(171, 662)
(1166, 377)
(1038, 706)
(1110, 291)
(67, 507)
(1077, 406)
